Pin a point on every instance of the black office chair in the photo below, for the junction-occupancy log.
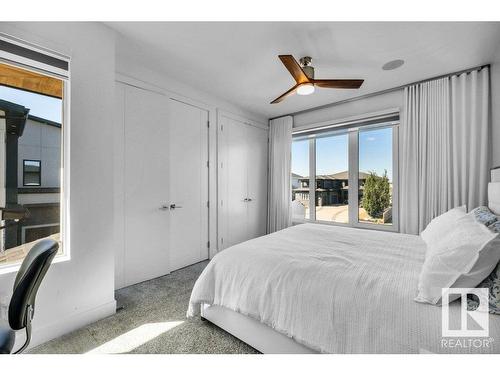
(22, 303)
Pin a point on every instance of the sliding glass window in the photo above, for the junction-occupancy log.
(375, 176)
(354, 179)
(332, 171)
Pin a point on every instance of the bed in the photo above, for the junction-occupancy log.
(315, 288)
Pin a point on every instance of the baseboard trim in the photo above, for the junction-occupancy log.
(71, 323)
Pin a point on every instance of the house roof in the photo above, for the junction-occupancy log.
(44, 121)
(15, 117)
(338, 176)
(306, 190)
(296, 175)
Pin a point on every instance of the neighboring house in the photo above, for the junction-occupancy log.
(39, 166)
(3, 114)
(30, 173)
(12, 121)
(296, 180)
(330, 189)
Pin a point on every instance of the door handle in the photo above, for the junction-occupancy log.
(249, 199)
(163, 207)
(173, 206)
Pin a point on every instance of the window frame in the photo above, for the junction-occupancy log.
(352, 131)
(65, 76)
(39, 172)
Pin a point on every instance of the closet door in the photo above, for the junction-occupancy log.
(257, 151)
(145, 184)
(243, 181)
(188, 184)
(233, 182)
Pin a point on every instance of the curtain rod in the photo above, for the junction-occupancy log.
(381, 92)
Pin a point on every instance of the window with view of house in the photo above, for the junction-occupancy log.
(352, 180)
(331, 198)
(31, 160)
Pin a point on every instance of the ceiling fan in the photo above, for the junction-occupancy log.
(304, 76)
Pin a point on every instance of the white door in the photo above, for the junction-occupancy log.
(188, 184)
(257, 149)
(233, 169)
(146, 185)
(243, 182)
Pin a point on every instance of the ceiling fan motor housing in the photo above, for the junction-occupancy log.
(305, 63)
(309, 70)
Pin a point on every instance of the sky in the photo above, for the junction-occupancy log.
(375, 153)
(39, 105)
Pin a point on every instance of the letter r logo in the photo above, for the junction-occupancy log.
(480, 316)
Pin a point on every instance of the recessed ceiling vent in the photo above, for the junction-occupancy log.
(394, 64)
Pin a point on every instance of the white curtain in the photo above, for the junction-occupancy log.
(445, 147)
(280, 190)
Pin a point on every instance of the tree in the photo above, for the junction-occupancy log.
(376, 195)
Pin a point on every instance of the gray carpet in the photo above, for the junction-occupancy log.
(163, 300)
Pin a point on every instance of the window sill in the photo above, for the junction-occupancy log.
(382, 228)
(13, 268)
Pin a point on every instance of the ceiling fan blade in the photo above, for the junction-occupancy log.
(283, 96)
(338, 83)
(294, 68)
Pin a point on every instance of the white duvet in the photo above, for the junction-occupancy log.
(333, 289)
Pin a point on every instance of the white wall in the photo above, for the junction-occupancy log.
(80, 290)
(126, 67)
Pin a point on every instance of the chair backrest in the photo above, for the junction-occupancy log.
(28, 279)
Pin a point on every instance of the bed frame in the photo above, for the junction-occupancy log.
(267, 340)
(256, 334)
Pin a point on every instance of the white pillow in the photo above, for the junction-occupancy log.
(462, 258)
(442, 224)
(494, 197)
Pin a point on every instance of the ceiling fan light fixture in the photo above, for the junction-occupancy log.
(305, 89)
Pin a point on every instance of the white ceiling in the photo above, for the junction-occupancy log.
(239, 61)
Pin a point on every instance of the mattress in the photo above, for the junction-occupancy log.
(335, 290)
